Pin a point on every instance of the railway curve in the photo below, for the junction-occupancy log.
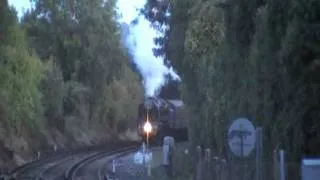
(73, 172)
(39, 169)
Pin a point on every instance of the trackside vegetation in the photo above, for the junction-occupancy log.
(255, 59)
(64, 74)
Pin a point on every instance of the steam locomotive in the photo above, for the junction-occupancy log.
(158, 118)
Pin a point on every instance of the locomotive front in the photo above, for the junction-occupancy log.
(147, 123)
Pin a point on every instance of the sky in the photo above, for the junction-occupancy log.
(20, 5)
(151, 67)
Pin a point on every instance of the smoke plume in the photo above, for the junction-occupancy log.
(139, 39)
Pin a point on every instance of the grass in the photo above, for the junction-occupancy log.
(182, 165)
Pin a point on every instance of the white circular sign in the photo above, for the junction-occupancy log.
(242, 137)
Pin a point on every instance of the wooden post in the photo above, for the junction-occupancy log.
(275, 165)
(259, 166)
(113, 166)
(208, 154)
(224, 170)
(185, 163)
(216, 167)
(149, 169)
(38, 155)
(171, 154)
(208, 170)
(167, 152)
(143, 152)
(282, 165)
(199, 164)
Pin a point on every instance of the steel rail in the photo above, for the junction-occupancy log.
(71, 173)
(41, 174)
(102, 169)
(18, 172)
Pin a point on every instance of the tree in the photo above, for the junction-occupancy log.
(171, 89)
(239, 58)
(20, 75)
(85, 42)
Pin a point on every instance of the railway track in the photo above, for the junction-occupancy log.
(103, 170)
(72, 172)
(21, 172)
(39, 169)
(45, 173)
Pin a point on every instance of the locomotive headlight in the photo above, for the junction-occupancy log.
(147, 127)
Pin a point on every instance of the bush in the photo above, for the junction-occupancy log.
(52, 87)
(121, 100)
(20, 76)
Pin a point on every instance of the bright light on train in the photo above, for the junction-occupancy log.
(147, 127)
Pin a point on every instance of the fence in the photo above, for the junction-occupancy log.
(200, 164)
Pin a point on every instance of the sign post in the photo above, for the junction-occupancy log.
(241, 139)
(259, 167)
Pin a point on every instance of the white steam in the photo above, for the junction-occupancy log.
(140, 42)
